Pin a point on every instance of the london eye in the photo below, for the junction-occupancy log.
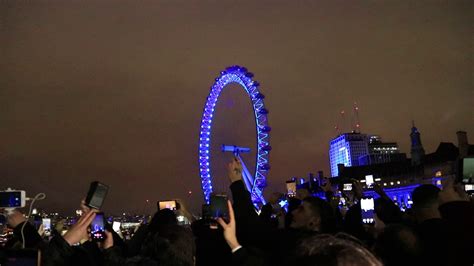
(255, 182)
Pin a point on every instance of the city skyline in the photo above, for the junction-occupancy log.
(116, 92)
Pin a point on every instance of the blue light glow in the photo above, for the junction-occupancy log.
(241, 76)
(400, 195)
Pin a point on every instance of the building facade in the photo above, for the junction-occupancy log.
(381, 152)
(346, 149)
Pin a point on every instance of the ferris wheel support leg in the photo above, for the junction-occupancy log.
(246, 176)
(249, 181)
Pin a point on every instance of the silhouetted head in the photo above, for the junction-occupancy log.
(329, 250)
(426, 196)
(388, 212)
(398, 245)
(314, 214)
(174, 246)
(162, 219)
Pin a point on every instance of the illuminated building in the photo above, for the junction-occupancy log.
(346, 149)
(399, 178)
(381, 152)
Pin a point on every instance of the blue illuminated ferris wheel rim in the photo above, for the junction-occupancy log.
(239, 75)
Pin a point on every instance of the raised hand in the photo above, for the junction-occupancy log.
(79, 230)
(84, 207)
(357, 189)
(379, 190)
(234, 170)
(109, 240)
(327, 187)
(229, 228)
(15, 218)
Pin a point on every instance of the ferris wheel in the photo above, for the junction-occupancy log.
(255, 183)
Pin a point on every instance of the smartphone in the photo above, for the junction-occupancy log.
(98, 227)
(37, 221)
(218, 207)
(96, 195)
(291, 188)
(342, 202)
(469, 188)
(468, 169)
(369, 181)
(283, 203)
(347, 187)
(206, 212)
(47, 226)
(12, 199)
(207, 217)
(116, 227)
(169, 204)
(367, 209)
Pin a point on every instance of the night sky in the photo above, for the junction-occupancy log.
(114, 90)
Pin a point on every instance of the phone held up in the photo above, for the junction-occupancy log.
(291, 188)
(367, 207)
(10, 199)
(96, 195)
(218, 207)
(98, 227)
(369, 181)
(168, 204)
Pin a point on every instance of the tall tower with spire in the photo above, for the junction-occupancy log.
(417, 151)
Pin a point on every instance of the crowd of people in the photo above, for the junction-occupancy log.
(437, 230)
